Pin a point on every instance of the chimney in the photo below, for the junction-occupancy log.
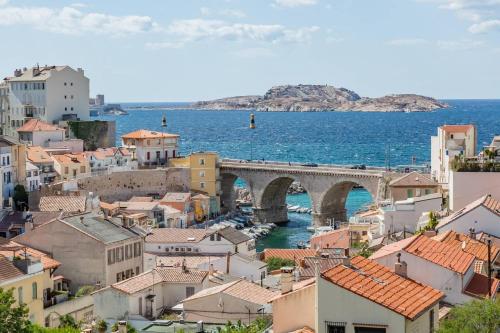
(346, 261)
(472, 233)
(228, 261)
(122, 326)
(184, 266)
(17, 73)
(286, 279)
(211, 269)
(302, 263)
(401, 268)
(36, 71)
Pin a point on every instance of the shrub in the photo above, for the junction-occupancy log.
(274, 263)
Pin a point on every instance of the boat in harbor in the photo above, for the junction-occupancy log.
(114, 109)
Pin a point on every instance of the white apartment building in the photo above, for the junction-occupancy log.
(32, 177)
(49, 93)
(150, 147)
(451, 141)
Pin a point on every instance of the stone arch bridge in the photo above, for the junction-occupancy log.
(327, 186)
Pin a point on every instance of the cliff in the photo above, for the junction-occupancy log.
(304, 98)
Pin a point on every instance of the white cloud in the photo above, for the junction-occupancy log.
(407, 42)
(3, 2)
(235, 13)
(70, 20)
(485, 26)
(202, 29)
(164, 45)
(294, 3)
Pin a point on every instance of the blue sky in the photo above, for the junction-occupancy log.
(169, 50)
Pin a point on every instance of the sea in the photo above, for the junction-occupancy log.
(370, 138)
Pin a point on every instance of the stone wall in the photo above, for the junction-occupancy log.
(95, 134)
(121, 186)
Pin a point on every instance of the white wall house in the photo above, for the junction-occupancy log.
(49, 93)
(466, 187)
(150, 147)
(451, 141)
(238, 265)
(36, 132)
(32, 177)
(8, 173)
(199, 241)
(348, 300)
(404, 214)
(482, 215)
(147, 294)
(437, 264)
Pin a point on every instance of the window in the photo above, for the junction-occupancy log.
(118, 277)
(137, 249)
(218, 238)
(20, 295)
(428, 191)
(212, 237)
(111, 257)
(65, 84)
(202, 184)
(140, 306)
(202, 161)
(137, 270)
(72, 108)
(431, 321)
(148, 156)
(34, 291)
(409, 193)
(189, 291)
(334, 327)
(65, 109)
(82, 169)
(71, 84)
(65, 97)
(66, 170)
(202, 173)
(74, 172)
(367, 329)
(157, 155)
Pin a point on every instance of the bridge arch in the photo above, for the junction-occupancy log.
(332, 202)
(228, 195)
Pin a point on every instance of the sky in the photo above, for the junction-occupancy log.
(189, 50)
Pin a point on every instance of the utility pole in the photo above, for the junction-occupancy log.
(489, 266)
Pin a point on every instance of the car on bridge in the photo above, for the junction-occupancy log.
(312, 165)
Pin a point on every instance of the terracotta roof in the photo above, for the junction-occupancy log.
(18, 219)
(98, 155)
(7, 270)
(145, 134)
(176, 235)
(10, 247)
(176, 197)
(486, 201)
(241, 289)
(108, 206)
(37, 154)
(71, 158)
(392, 248)
(414, 179)
(476, 248)
(439, 253)
(456, 128)
(291, 254)
(331, 240)
(33, 125)
(68, 203)
(377, 283)
(141, 199)
(107, 152)
(159, 275)
(478, 286)
(304, 330)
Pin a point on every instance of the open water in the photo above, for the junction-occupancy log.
(321, 137)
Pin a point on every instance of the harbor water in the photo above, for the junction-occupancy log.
(377, 139)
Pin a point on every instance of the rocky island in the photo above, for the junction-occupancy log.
(306, 98)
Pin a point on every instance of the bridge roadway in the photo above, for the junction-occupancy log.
(327, 186)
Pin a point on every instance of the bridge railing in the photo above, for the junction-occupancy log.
(297, 164)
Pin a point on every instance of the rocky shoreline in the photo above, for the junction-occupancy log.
(314, 98)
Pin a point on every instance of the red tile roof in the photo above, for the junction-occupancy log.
(337, 239)
(305, 329)
(456, 128)
(439, 253)
(290, 254)
(472, 246)
(38, 125)
(377, 283)
(145, 134)
(478, 286)
(7, 269)
(176, 235)
(9, 248)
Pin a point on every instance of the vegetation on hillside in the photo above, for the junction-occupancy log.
(478, 316)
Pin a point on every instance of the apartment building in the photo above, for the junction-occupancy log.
(42, 160)
(108, 250)
(12, 167)
(49, 93)
(451, 141)
(151, 148)
(36, 132)
(71, 166)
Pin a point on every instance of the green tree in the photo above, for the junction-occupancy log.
(130, 328)
(20, 197)
(84, 290)
(67, 321)
(257, 326)
(478, 316)
(38, 329)
(274, 263)
(101, 326)
(13, 318)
